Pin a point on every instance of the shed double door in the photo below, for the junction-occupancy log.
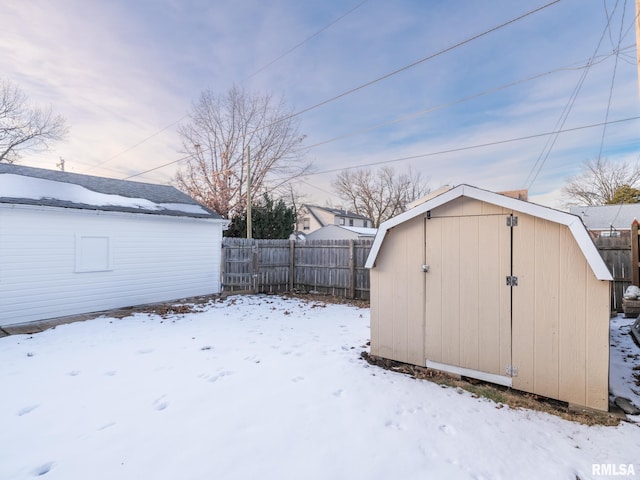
(467, 301)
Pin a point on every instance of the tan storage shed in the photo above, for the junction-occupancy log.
(483, 285)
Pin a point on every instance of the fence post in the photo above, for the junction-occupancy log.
(255, 266)
(292, 266)
(635, 260)
(352, 270)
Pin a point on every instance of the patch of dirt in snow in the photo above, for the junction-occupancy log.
(500, 395)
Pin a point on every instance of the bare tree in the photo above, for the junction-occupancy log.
(24, 127)
(216, 138)
(599, 181)
(379, 194)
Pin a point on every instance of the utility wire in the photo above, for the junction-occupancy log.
(137, 144)
(431, 154)
(298, 45)
(551, 141)
(460, 100)
(386, 76)
(417, 62)
(613, 81)
(422, 112)
(471, 147)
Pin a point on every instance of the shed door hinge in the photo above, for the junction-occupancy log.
(512, 281)
(511, 371)
(512, 221)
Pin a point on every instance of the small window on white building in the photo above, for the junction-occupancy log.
(351, 222)
(341, 221)
(365, 224)
(305, 223)
(93, 253)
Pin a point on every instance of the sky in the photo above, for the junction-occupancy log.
(475, 104)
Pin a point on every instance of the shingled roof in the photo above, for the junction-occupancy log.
(37, 186)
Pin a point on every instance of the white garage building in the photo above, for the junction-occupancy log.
(74, 244)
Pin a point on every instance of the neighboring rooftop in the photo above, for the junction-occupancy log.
(339, 212)
(37, 186)
(605, 217)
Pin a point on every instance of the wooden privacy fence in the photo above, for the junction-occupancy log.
(268, 266)
(616, 253)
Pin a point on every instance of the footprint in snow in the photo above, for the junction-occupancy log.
(27, 409)
(448, 429)
(396, 425)
(144, 351)
(338, 393)
(297, 379)
(220, 375)
(111, 373)
(159, 404)
(43, 469)
(106, 425)
(74, 373)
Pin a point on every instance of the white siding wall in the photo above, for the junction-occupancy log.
(151, 258)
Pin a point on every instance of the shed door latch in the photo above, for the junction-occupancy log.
(512, 221)
(512, 281)
(511, 371)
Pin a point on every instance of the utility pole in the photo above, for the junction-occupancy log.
(249, 191)
(60, 165)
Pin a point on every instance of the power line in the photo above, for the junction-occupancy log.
(387, 75)
(471, 147)
(589, 64)
(298, 45)
(546, 151)
(137, 144)
(417, 62)
(460, 100)
(613, 80)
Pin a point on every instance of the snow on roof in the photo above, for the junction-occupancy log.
(574, 222)
(604, 217)
(26, 185)
(360, 230)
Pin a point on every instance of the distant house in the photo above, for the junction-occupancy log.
(338, 232)
(312, 217)
(75, 244)
(608, 220)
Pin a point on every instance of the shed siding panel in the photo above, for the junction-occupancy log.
(468, 292)
(153, 258)
(494, 323)
(546, 329)
(523, 315)
(382, 335)
(397, 287)
(573, 325)
(597, 343)
(434, 291)
(451, 292)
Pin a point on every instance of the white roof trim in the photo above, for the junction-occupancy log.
(574, 222)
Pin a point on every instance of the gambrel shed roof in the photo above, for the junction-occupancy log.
(573, 222)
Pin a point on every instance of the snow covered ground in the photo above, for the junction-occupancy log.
(271, 388)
